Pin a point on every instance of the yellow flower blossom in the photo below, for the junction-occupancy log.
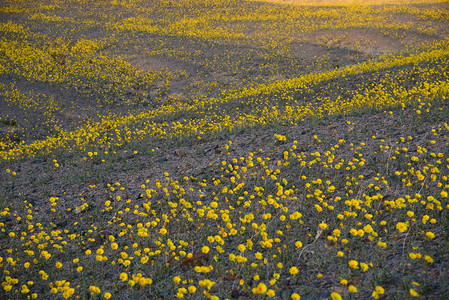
(353, 264)
(401, 226)
(336, 296)
(293, 270)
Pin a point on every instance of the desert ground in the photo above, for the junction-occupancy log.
(224, 149)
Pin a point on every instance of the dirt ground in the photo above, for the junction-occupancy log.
(203, 70)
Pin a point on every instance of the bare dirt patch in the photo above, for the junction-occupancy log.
(370, 42)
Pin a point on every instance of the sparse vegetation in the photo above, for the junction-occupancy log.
(224, 149)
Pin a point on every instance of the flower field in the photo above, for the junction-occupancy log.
(228, 149)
